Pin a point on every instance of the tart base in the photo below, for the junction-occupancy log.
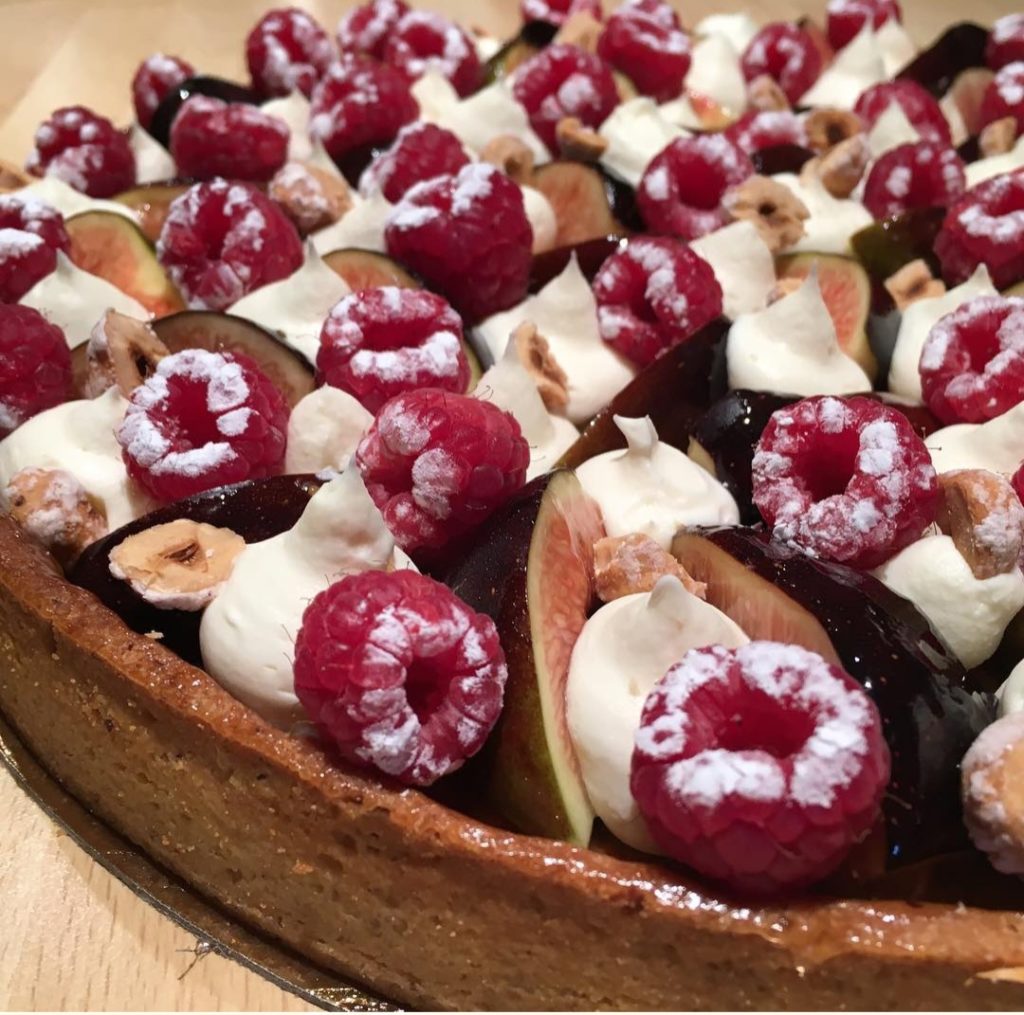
(414, 900)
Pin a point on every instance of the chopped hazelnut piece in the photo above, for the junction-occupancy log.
(578, 142)
(511, 156)
(998, 137)
(982, 513)
(777, 213)
(765, 95)
(54, 507)
(311, 197)
(180, 565)
(582, 30)
(634, 563)
(829, 127)
(535, 354)
(913, 282)
(122, 352)
(841, 168)
(12, 178)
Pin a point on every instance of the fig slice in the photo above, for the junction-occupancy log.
(111, 246)
(151, 203)
(580, 198)
(367, 269)
(930, 711)
(530, 568)
(885, 247)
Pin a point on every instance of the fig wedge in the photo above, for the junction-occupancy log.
(579, 196)
(366, 269)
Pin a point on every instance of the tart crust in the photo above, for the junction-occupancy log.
(417, 901)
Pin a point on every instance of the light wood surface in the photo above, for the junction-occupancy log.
(72, 936)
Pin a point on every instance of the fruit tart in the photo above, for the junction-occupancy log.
(538, 524)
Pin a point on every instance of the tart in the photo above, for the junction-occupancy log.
(471, 497)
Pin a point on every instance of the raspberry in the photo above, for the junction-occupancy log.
(1005, 96)
(287, 51)
(213, 138)
(31, 233)
(420, 152)
(367, 28)
(918, 105)
(378, 343)
(844, 479)
(222, 240)
(557, 12)
(845, 18)
(759, 130)
(644, 40)
(563, 81)
(759, 767)
(652, 295)
(84, 150)
(787, 54)
(1005, 41)
(359, 102)
(681, 191)
(437, 464)
(986, 226)
(400, 674)
(423, 42)
(35, 365)
(154, 79)
(467, 236)
(203, 419)
(972, 363)
(922, 175)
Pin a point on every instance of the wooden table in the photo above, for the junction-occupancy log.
(72, 935)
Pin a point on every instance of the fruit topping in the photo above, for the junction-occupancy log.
(913, 282)
(579, 143)
(563, 81)
(840, 169)
(400, 674)
(179, 565)
(785, 53)
(437, 464)
(557, 12)
(768, 129)
(84, 150)
(420, 152)
(1006, 41)
(52, 506)
(122, 353)
(644, 40)
(991, 774)
(682, 189)
(423, 41)
(774, 210)
(366, 269)
(652, 295)
(212, 138)
(847, 480)
(357, 103)
(223, 240)
(35, 365)
(1005, 96)
(214, 88)
(918, 105)
(31, 233)
(150, 204)
(624, 565)
(578, 195)
(155, 77)
(379, 343)
(468, 236)
(366, 29)
(922, 175)
(761, 766)
(972, 363)
(203, 419)
(845, 18)
(311, 197)
(287, 51)
(982, 513)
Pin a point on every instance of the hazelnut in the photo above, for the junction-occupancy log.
(578, 142)
(829, 127)
(582, 30)
(913, 282)
(180, 565)
(776, 212)
(122, 352)
(841, 168)
(511, 156)
(535, 354)
(311, 197)
(634, 563)
(765, 95)
(998, 137)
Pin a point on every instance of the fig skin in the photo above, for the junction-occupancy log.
(959, 48)
(201, 84)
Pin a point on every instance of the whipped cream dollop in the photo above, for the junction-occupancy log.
(542, 219)
(970, 614)
(743, 265)
(565, 313)
(996, 165)
(636, 131)
(996, 445)
(74, 300)
(324, 430)
(957, 125)
(361, 227)
(1011, 694)
(739, 28)
(78, 437)
(478, 119)
(917, 322)
(891, 130)
(622, 652)
(832, 221)
(715, 73)
(509, 386)
(68, 201)
(792, 347)
(858, 65)
(297, 306)
(247, 635)
(895, 45)
(153, 162)
(294, 110)
(653, 488)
